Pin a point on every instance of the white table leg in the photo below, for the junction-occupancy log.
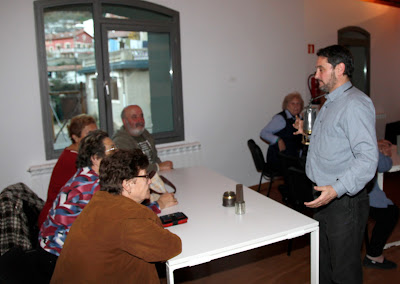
(380, 180)
(170, 275)
(315, 256)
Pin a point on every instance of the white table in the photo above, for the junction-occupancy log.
(214, 231)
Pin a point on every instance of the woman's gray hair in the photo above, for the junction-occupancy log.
(290, 97)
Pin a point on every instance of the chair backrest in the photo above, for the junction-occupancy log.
(19, 210)
(391, 131)
(257, 154)
(287, 161)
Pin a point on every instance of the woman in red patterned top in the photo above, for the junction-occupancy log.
(65, 167)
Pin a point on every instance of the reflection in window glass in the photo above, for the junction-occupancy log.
(126, 12)
(140, 72)
(69, 43)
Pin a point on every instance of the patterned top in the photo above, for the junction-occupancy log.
(71, 200)
(64, 169)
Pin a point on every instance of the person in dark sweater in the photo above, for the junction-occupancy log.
(278, 133)
(133, 135)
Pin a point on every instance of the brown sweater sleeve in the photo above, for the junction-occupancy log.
(147, 239)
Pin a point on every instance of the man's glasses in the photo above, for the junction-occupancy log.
(148, 176)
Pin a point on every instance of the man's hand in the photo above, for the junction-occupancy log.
(167, 200)
(298, 124)
(385, 147)
(166, 165)
(281, 145)
(327, 195)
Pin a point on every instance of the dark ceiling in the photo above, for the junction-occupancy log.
(394, 3)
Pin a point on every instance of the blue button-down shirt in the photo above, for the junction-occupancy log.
(343, 151)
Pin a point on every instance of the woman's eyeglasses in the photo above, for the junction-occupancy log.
(148, 176)
(111, 149)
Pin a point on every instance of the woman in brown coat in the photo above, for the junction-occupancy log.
(116, 239)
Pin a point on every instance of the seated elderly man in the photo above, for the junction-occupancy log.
(133, 135)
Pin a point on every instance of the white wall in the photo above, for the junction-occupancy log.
(324, 18)
(237, 66)
(20, 111)
(239, 58)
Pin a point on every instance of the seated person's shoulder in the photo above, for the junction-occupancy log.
(123, 140)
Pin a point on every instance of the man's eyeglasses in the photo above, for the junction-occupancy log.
(148, 176)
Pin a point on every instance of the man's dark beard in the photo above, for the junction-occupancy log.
(329, 85)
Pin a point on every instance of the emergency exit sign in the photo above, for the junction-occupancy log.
(311, 49)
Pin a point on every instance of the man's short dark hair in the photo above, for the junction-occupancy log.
(338, 54)
(91, 145)
(120, 166)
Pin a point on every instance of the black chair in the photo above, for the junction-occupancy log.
(391, 131)
(297, 187)
(261, 165)
(18, 217)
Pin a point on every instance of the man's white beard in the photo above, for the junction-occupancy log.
(136, 131)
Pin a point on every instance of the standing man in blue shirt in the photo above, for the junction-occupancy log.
(342, 158)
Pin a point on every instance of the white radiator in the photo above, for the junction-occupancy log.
(40, 178)
(182, 154)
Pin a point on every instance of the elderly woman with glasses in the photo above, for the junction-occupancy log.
(73, 196)
(278, 133)
(116, 239)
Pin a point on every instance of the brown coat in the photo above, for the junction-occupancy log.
(114, 240)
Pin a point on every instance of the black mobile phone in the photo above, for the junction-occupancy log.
(173, 219)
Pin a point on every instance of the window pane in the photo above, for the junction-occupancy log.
(126, 12)
(141, 74)
(69, 42)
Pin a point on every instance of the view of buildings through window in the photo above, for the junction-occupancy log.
(136, 67)
(69, 43)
